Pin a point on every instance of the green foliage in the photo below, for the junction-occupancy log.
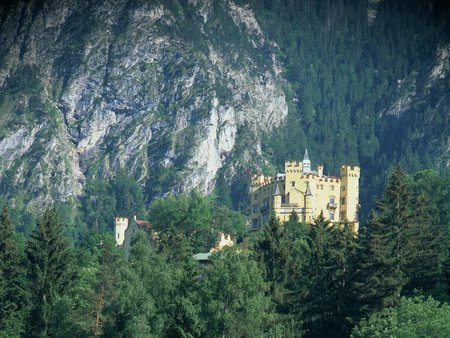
(129, 197)
(413, 317)
(13, 283)
(343, 74)
(103, 200)
(272, 255)
(166, 304)
(234, 300)
(98, 205)
(294, 280)
(436, 189)
(424, 248)
(378, 275)
(328, 303)
(197, 218)
(50, 271)
(81, 311)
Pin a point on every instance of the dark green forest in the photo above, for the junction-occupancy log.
(62, 275)
(292, 280)
(343, 78)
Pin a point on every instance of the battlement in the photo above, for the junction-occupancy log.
(293, 164)
(350, 170)
(121, 221)
(307, 192)
(260, 180)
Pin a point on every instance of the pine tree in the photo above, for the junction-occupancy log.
(377, 280)
(272, 255)
(50, 258)
(332, 253)
(396, 217)
(423, 249)
(13, 294)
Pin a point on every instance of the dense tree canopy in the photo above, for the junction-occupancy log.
(413, 317)
(290, 279)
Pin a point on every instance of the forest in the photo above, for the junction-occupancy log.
(293, 279)
(346, 77)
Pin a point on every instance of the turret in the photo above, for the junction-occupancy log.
(350, 194)
(320, 170)
(121, 224)
(306, 163)
(277, 197)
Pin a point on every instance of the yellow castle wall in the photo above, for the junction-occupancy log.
(328, 193)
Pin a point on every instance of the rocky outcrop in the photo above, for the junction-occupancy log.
(130, 84)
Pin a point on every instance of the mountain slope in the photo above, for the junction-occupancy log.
(198, 94)
(162, 90)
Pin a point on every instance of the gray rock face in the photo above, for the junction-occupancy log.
(130, 84)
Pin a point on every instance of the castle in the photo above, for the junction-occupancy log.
(125, 231)
(306, 192)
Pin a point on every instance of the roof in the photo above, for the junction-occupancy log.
(203, 256)
(306, 157)
(143, 224)
(277, 190)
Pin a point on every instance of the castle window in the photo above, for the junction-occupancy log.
(331, 200)
(343, 188)
(255, 208)
(292, 183)
(343, 200)
(118, 235)
(342, 216)
(332, 215)
(321, 187)
(332, 188)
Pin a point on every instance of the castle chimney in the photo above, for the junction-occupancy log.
(320, 170)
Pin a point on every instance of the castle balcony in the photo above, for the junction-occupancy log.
(332, 205)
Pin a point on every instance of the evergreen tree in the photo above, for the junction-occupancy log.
(332, 249)
(377, 280)
(13, 294)
(422, 267)
(272, 254)
(50, 258)
(298, 284)
(396, 217)
(81, 311)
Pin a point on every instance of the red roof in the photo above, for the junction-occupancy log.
(143, 224)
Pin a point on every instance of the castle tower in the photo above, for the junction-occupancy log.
(306, 163)
(308, 214)
(293, 176)
(350, 195)
(121, 224)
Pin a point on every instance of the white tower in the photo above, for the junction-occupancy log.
(121, 224)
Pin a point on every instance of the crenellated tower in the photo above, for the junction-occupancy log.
(121, 225)
(350, 194)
